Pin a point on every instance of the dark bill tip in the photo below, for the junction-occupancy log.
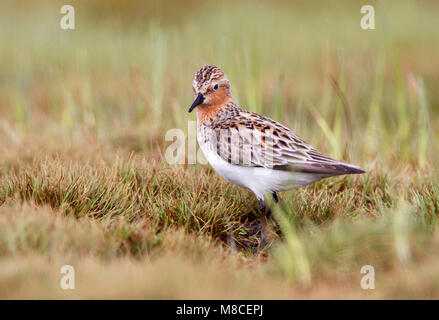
(198, 100)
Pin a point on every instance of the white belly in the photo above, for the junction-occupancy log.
(259, 180)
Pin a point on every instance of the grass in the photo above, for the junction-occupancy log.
(83, 176)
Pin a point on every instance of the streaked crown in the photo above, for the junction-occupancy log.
(206, 75)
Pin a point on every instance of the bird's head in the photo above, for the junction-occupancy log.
(211, 88)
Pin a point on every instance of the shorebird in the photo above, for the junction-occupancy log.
(253, 151)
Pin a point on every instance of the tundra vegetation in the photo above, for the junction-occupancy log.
(83, 180)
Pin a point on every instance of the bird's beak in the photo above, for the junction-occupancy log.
(198, 100)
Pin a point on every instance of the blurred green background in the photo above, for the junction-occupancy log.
(124, 74)
(83, 118)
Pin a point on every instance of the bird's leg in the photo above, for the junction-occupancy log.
(262, 205)
(263, 220)
(276, 199)
(266, 211)
(258, 224)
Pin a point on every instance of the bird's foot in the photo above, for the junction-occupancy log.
(253, 228)
(257, 228)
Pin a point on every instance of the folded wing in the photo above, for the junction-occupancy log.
(256, 141)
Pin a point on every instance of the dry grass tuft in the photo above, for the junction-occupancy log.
(83, 120)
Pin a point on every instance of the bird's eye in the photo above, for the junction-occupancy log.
(215, 87)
